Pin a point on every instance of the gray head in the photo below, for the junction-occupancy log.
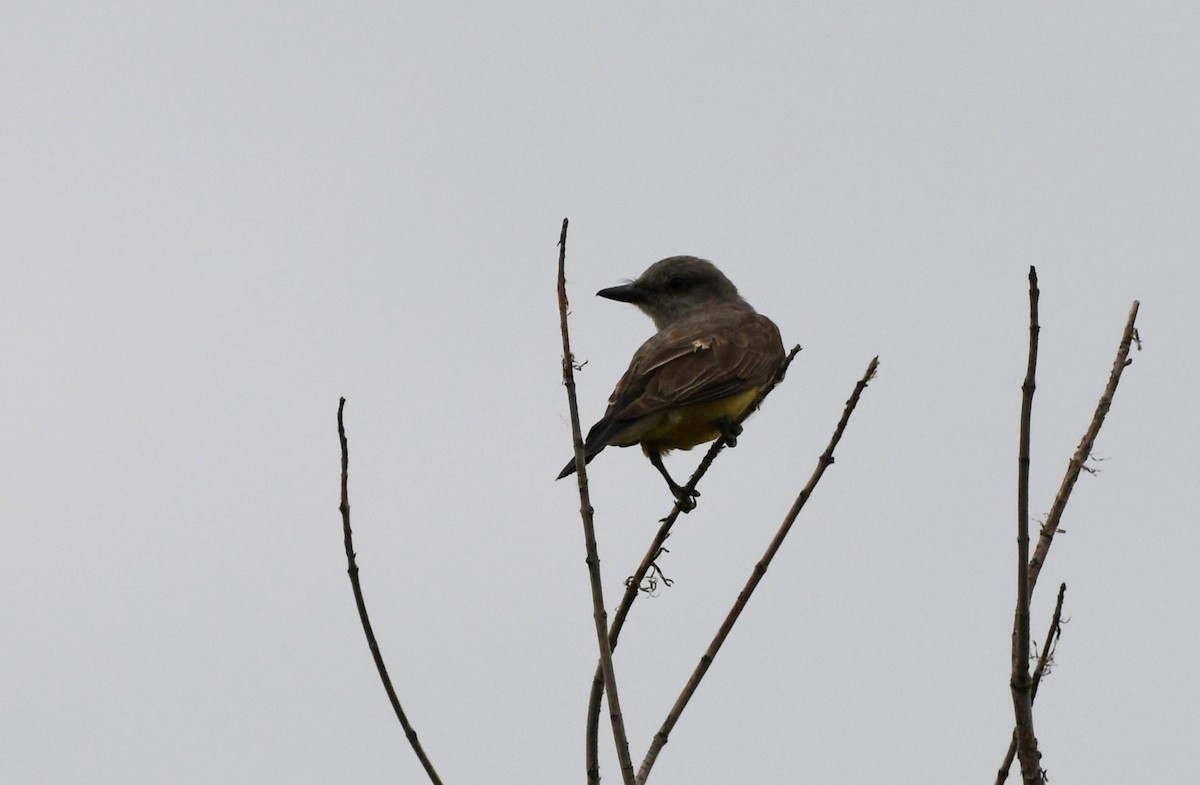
(675, 288)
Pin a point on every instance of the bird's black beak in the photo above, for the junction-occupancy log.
(628, 293)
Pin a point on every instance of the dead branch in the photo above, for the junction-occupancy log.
(352, 569)
(760, 569)
(634, 583)
(1078, 460)
(1052, 636)
(589, 533)
(1020, 682)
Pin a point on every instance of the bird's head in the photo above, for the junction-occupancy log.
(675, 288)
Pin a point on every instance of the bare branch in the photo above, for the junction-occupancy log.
(589, 533)
(1025, 689)
(1077, 464)
(760, 569)
(1020, 683)
(1052, 636)
(634, 583)
(362, 607)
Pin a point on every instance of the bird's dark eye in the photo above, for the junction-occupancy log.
(677, 283)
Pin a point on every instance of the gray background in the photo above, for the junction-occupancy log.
(217, 218)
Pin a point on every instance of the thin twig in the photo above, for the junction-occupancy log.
(1050, 527)
(362, 607)
(1020, 683)
(634, 582)
(1052, 636)
(760, 569)
(599, 615)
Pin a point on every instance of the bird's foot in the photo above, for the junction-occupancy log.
(730, 430)
(685, 500)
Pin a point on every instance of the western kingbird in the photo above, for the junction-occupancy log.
(686, 385)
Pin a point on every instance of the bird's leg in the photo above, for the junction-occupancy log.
(730, 430)
(687, 502)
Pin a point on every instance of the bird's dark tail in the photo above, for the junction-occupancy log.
(569, 469)
(597, 439)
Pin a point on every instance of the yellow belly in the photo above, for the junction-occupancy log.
(685, 427)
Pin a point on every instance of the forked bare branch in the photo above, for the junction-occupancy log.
(1047, 655)
(633, 584)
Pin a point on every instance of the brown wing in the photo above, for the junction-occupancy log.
(687, 364)
(693, 364)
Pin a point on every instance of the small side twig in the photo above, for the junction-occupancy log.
(634, 582)
(1077, 464)
(1020, 682)
(1051, 642)
(1052, 636)
(352, 569)
(599, 615)
(760, 569)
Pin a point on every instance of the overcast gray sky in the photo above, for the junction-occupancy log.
(220, 217)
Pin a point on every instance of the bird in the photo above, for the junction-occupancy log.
(692, 379)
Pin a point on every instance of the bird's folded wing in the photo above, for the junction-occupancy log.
(692, 364)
